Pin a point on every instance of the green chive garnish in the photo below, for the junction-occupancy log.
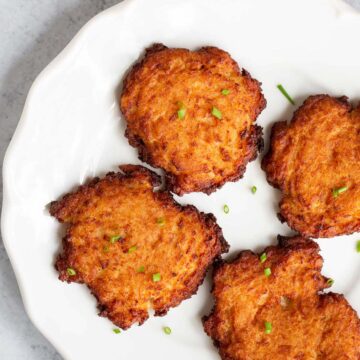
(330, 282)
(268, 327)
(156, 277)
(141, 269)
(226, 209)
(216, 112)
(254, 189)
(71, 271)
(284, 92)
(263, 257)
(225, 91)
(358, 246)
(182, 111)
(117, 331)
(267, 272)
(160, 221)
(167, 330)
(115, 238)
(132, 249)
(338, 191)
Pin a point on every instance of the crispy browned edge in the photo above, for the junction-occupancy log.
(291, 244)
(277, 132)
(131, 171)
(256, 142)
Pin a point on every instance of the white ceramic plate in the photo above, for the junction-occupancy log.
(71, 129)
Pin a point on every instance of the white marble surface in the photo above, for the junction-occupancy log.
(355, 3)
(32, 33)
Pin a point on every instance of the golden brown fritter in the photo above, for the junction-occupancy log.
(315, 162)
(192, 113)
(135, 248)
(283, 315)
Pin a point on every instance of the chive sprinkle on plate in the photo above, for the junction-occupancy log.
(338, 191)
(225, 92)
(330, 282)
(115, 238)
(167, 330)
(285, 93)
(268, 327)
(254, 189)
(71, 271)
(132, 249)
(116, 331)
(358, 246)
(226, 209)
(216, 112)
(267, 272)
(263, 257)
(141, 269)
(156, 277)
(182, 111)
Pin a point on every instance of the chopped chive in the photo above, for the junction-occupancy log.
(115, 238)
(284, 92)
(216, 112)
(330, 282)
(140, 269)
(167, 330)
(358, 246)
(267, 272)
(263, 257)
(268, 327)
(182, 111)
(156, 277)
(106, 249)
(226, 209)
(117, 331)
(160, 221)
(338, 191)
(132, 249)
(254, 189)
(71, 271)
(225, 91)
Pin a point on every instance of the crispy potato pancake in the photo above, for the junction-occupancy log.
(282, 315)
(135, 248)
(315, 162)
(192, 113)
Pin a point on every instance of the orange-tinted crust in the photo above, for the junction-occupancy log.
(199, 152)
(178, 242)
(319, 151)
(306, 324)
